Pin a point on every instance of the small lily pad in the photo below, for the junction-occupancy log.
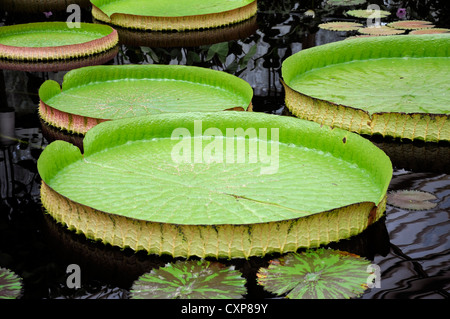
(316, 274)
(341, 26)
(194, 279)
(364, 14)
(430, 31)
(380, 30)
(345, 3)
(411, 200)
(10, 284)
(411, 25)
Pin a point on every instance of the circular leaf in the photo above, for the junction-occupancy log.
(10, 284)
(195, 279)
(340, 26)
(380, 30)
(411, 199)
(316, 274)
(411, 25)
(430, 31)
(364, 14)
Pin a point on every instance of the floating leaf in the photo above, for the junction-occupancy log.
(10, 284)
(340, 26)
(345, 3)
(380, 30)
(177, 15)
(430, 31)
(411, 25)
(364, 14)
(55, 40)
(411, 199)
(203, 184)
(324, 84)
(196, 279)
(316, 274)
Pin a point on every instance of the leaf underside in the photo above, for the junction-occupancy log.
(316, 274)
(198, 279)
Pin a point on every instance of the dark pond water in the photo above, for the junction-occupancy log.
(412, 248)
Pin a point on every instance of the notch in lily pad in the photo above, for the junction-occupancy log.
(10, 284)
(316, 274)
(192, 279)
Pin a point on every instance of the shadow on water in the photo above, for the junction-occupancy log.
(411, 247)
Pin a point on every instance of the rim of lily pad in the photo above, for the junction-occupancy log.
(410, 125)
(411, 24)
(10, 284)
(40, 6)
(192, 38)
(364, 14)
(149, 20)
(340, 26)
(95, 94)
(60, 65)
(345, 3)
(380, 30)
(430, 31)
(317, 274)
(16, 41)
(230, 217)
(190, 279)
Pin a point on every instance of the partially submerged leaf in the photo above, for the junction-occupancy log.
(380, 30)
(345, 3)
(341, 26)
(430, 31)
(195, 279)
(364, 14)
(411, 25)
(316, 274)
(10, 284)
(411, 199)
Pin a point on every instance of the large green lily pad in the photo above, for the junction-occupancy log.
(222, 184)
(54, 40)
(394, 86)
(91, 95)
(172, 15)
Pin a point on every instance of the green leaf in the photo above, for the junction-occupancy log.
(199, 279)
(10, 284)
(316, 274)
(219, 49)
(251, 52)
(131, 171)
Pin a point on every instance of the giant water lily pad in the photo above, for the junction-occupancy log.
(316, 274)
(95, 94)
(194, 279)
(221, 184)
(55, 40)
(172, 15)
(362, 86)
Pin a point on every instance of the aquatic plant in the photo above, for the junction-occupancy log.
(191, 279)
(364, 14)
(10, 284)
(340, 26)
(380, 30)
(316, 274)
(411, 200)
(410, 25)
(430, 31)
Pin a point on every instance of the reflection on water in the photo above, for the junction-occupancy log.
(412, 248)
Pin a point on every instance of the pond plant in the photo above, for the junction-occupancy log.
(44, 41)
(10, 284)
(140, 177)
(391, 101)
(95, 94)
(190, 279)
(411, 199)
(176, 15)
(316, 274)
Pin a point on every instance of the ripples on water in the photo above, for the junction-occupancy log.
(412, 248)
